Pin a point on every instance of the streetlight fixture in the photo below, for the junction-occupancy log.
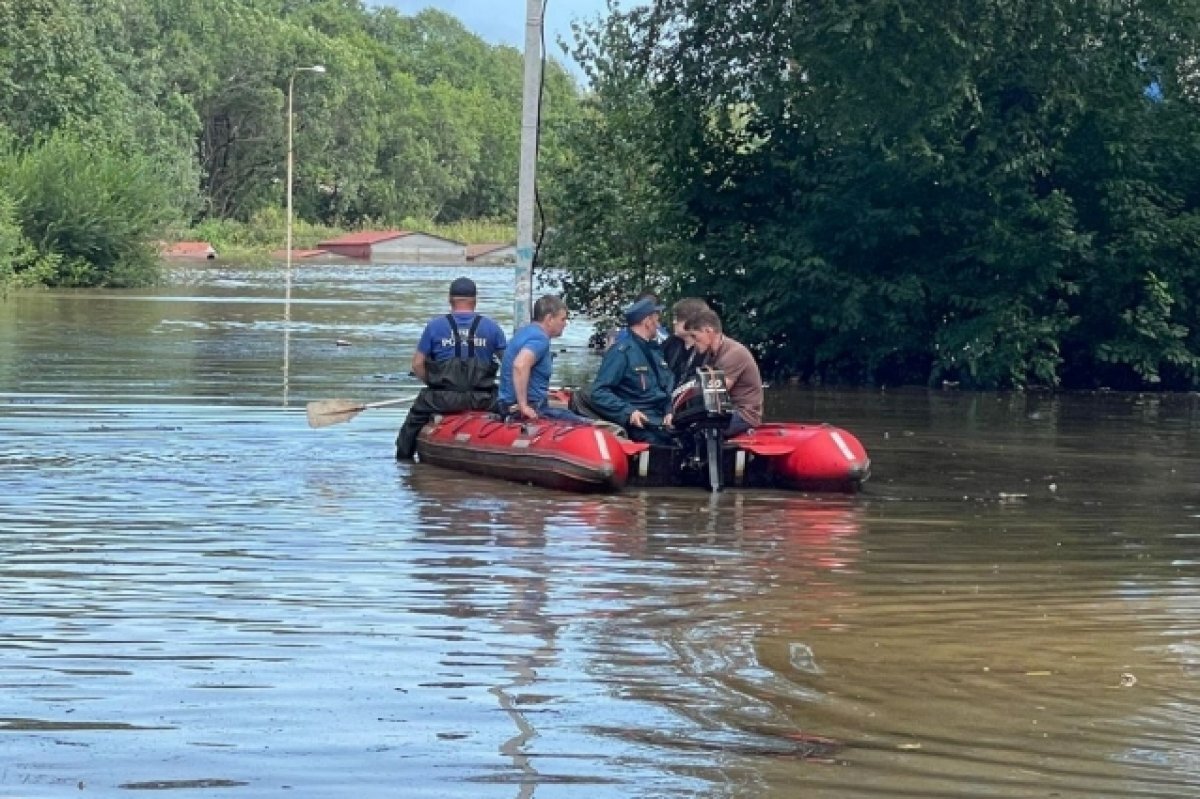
(287, 292)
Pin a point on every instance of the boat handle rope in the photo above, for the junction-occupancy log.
(464, 420)
(566, 431)
(488, 428)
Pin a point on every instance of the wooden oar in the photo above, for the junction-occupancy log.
(323, 413)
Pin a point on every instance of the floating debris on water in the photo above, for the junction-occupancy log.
(803, 658)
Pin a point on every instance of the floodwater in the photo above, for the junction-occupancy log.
(201, 596)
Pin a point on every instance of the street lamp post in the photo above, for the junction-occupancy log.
(287, 291)
(318, 68)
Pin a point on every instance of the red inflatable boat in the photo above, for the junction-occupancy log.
(582, 457)
(578, 457)
(564, 455)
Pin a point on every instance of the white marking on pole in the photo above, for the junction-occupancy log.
(644, 463)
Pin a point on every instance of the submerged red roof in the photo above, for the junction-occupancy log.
(189, 249)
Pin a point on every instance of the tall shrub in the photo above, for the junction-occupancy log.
(20, 263)
(90, 207)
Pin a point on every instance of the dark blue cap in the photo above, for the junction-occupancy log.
(640, 310)
(462, 287)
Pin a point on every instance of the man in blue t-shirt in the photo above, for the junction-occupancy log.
(457, 359)
(528, 363)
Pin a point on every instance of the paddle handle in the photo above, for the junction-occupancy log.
(389, 403)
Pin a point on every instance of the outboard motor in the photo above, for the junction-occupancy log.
(701, 407)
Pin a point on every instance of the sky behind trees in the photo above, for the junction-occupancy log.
(503, 21)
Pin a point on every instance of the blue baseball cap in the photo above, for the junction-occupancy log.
(462, 287)
(640, 310)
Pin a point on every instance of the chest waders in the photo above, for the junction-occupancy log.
(461, 373)
(461, 383)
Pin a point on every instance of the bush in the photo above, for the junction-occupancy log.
(89, 209)
(20, 263)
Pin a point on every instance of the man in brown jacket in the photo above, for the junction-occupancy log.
(742, 377)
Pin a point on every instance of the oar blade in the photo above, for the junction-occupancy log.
(324, 413)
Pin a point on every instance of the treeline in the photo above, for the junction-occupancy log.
(120, 119)
(995, 194)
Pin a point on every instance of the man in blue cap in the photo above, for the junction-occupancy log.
(662, 334)
(634, 384)
(457, 358)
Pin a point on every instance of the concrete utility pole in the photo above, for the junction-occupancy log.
(527, 187)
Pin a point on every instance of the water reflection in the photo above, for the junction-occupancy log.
(701, 626)
(287, 341)
(631, 562)
(735, 631)
(470, 532)
(821, 533)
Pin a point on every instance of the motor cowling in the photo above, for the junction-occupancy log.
(702, 402)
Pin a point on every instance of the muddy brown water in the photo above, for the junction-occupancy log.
(201, 596)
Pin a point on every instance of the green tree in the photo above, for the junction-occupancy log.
(52, 73)
(614, 229)
(887, 192)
